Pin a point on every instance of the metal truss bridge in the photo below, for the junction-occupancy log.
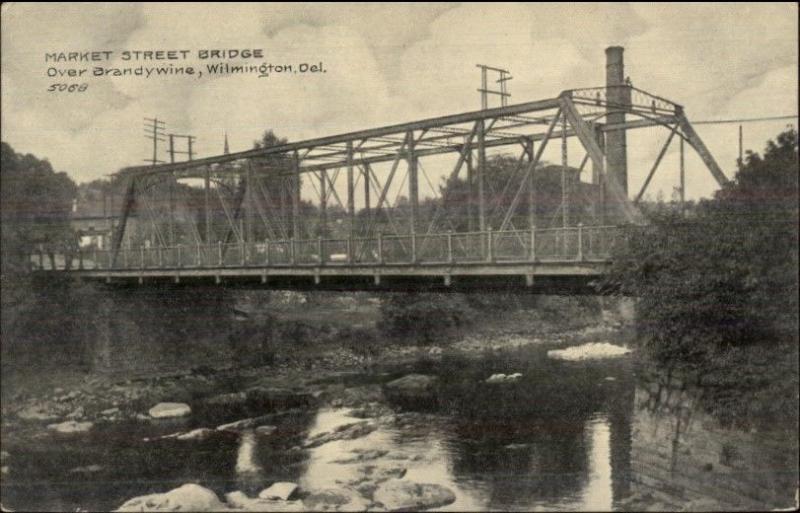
(286, 216)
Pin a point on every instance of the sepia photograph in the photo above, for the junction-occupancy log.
(291, 257)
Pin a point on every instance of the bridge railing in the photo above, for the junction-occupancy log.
(578, 243)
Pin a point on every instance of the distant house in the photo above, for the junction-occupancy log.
(94, 217)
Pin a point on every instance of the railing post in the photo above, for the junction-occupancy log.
(320, 256)
(413, 248)
(198, 257)
(108, 258)
(380, 248)
(219, 253)
(489, 245)
(291, 252)
(178, 259)
(41, 259)
(350, 249)
(580, 242)
(94, 257)
(141, 257)
(533, 244)
(125, 258)
(266, 250)
(450, 246)
(160, 258)
(243, 255)
(80, 258)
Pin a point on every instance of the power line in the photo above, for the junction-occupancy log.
(744, 120)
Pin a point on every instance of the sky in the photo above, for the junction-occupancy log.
(385, 64)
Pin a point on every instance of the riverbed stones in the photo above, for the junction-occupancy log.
(169, 410)
(504, 378)
(189, 497)
(265, 430)
(233, 399)
(37, 412)
(282, 490)
(240, 501)
(238, 425)
(348, 431)
(402, 495)
(70, 427)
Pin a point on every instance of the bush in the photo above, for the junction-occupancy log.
(424, 318)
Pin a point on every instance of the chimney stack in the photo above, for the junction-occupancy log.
(618, 94)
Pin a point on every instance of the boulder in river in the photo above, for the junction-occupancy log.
(71, 427)
(189, 497)
(402, 495)
(335, 500)
(169, 410)
(412, 390)
(282, 490)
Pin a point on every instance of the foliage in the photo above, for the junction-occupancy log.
(35, 203)
(725, 275)
(425, 317)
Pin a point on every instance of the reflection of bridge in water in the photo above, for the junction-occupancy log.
(279, 216)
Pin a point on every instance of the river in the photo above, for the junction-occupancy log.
(597, 434)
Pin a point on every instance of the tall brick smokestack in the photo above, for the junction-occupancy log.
(619, 97)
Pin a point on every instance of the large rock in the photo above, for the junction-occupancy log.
(281, 490)
(401, 495)
(189, 497)
(169, 410)
(335, 500)
(70, 427)
(412, 388)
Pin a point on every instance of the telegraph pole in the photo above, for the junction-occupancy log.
(504, 77)
(154, 130)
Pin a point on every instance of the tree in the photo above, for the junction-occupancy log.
(726, 276)
(35, 204)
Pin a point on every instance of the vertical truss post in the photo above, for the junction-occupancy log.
(481, 175)
(206, 202)
(564, 179)
(367, 211)
(597, 176)
(413, 183)
(249, 207)
(682, 178)
(351, 193)
(127, 205)
(323, 203)
(296, 196)
(531, 185)
(470, 186)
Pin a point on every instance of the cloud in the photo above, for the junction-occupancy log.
(388, 63)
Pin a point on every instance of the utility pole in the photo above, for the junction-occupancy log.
(188, 151)
(504, 77)
(154, 130)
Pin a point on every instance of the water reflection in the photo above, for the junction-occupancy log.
(557, 438)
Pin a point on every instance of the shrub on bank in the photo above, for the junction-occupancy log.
(424, 318)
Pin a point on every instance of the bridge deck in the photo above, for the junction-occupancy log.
(564, 257)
